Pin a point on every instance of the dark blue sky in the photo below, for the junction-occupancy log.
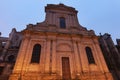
(103, 16)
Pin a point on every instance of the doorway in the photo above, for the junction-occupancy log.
(66, 75)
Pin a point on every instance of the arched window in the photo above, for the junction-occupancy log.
(36, 53)
(90, 55)
(62, 23)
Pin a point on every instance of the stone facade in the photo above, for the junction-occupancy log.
(111, 54)
(67, 49)
(118, 45)
(9, 48)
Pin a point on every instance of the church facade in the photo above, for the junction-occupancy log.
(58, 48)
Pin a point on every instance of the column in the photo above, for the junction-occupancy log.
(70, 19)
(73, 18)
(77, 60)
(101, 60)
(21, 55)
(47, 61)
(50, 18)
(54, 57)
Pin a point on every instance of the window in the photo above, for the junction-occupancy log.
(90, 55)
(36, 54)
(62, 23)
(11, 59)
(1, 70)
(3, 44)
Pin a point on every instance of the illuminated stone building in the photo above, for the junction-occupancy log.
(57, 48)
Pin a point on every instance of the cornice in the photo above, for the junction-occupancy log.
(61, 7)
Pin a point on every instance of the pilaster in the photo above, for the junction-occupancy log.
(54, 18)
(21, 55)
(47, 62)
(70, 19)
(73, 18)
(50, 16)
(54, 57)
(77, 60)
(101, 58)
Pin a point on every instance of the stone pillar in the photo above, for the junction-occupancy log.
(101, 58)
(54, 57)
(73, 18)
(103, 64)
(21, 55)
(70, 19)
(77, 60)
(97, 58)
(50, 18)
(47, 61)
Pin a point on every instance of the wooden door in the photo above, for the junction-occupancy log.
(66, 75)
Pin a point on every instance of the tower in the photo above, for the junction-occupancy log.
(59, 48)
(111, 54)
(9, 47)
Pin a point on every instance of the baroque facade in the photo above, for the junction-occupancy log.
(58, 48)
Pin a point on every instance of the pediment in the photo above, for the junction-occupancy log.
(60, 7)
